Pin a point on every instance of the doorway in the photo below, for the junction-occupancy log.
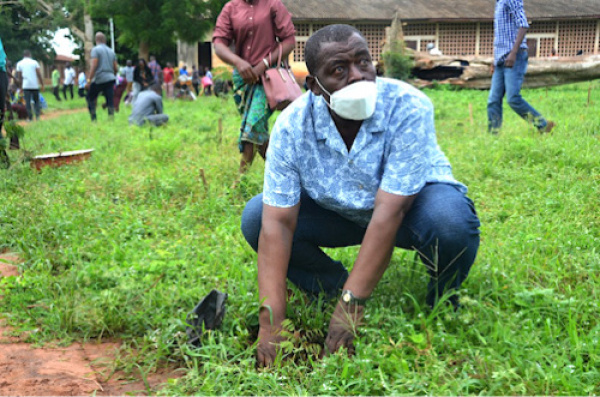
(205, 55)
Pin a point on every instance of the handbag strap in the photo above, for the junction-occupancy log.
(279, 58)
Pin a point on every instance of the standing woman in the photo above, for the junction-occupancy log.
(256, 27)
(142, 78)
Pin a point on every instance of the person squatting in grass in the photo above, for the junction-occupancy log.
(255, 26)
(148, 107)
(509, 67)
(103, 68)
(354, 161)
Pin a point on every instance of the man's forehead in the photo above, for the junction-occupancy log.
(355, 43)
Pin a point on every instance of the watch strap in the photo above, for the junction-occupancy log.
(349, 298)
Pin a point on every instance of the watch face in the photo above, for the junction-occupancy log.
(346, 298)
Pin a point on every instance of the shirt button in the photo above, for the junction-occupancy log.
(248, 47)
(360, 187)
(350, 162)
(250, 18)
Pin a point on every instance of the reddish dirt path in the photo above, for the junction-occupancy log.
(55, 114)
(77, 370)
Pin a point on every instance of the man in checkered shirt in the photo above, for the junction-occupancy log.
(509, 67)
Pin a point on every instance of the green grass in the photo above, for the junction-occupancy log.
(125, 244)
(54, 105)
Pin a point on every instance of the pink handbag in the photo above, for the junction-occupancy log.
(280, 84)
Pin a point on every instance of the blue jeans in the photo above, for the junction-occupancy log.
(442, 226)
(32, 95)
(509, 81)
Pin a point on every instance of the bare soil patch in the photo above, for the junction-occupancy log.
(54, 114)
(77, 370)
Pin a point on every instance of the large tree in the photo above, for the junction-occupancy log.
(153, 25)
(42, 18)
(25, 28)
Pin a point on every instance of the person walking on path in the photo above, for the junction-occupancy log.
(169, 79)
(69, 81)
(195, 80)
(56, 83)
(156, 69)
(256, 27)
(509, 67)
(81, 82)
(102, 76)
(30, 81)
(207, 82)
(148, 107)
(129, 69)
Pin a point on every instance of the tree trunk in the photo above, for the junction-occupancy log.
(87, 36)
(144, 50)
(88, 41)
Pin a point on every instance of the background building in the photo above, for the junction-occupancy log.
(458, 28)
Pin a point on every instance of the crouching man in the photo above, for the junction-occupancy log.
(148, 107)
(355, 161)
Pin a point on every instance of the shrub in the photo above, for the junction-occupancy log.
(398, 65)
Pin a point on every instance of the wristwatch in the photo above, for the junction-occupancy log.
(350, 299)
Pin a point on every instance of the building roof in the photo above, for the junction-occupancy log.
(63, 58)
(433, 10)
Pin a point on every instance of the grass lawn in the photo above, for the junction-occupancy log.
(125, 244)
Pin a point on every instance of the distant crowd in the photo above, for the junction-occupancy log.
(25, 85)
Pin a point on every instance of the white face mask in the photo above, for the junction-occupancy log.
(353, 102)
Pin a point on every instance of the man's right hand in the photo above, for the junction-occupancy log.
(268, 343)
(247, 72)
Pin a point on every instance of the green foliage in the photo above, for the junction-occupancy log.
(14, 130)
(23, 27)
(398, 65)
(159, 23)
(396, 61)
(125, 244)
(222, 73)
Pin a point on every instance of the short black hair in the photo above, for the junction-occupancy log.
(338, 33)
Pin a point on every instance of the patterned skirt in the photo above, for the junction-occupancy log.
(252, 104)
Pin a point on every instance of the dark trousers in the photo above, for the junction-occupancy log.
(55, 92)
(67, 87)
(81, 92)
(107, 89)
(32, 95)
(442, 226)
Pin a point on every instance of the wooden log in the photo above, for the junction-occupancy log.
(541, 72)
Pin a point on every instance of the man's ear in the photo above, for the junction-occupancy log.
(313, 86)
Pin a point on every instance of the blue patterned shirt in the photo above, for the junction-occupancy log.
(508, 18)
(395, 150)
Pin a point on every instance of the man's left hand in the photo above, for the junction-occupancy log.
(87, 85)
(510, 60)
(343, 326)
